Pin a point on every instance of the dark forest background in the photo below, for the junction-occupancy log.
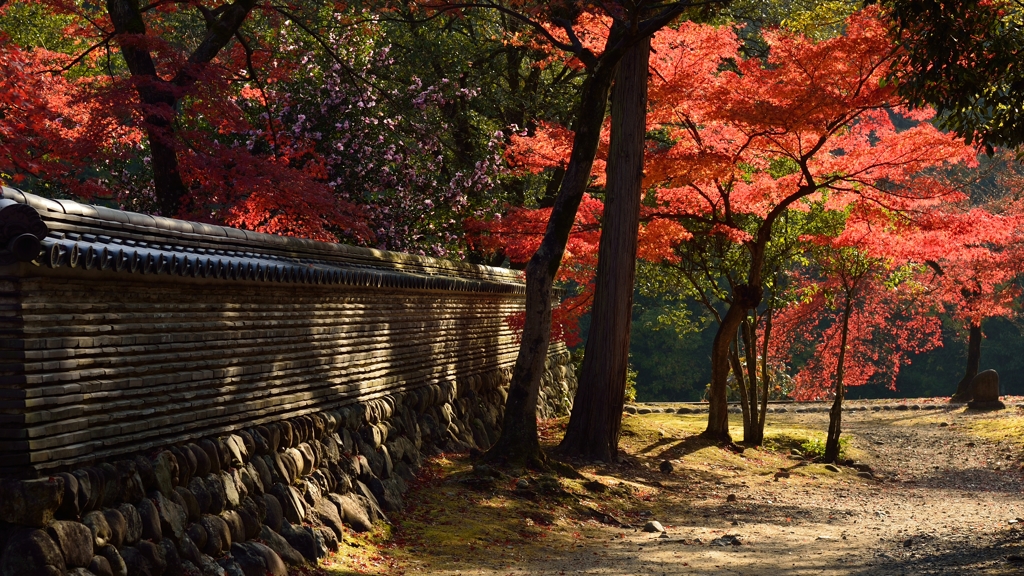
(675, 367)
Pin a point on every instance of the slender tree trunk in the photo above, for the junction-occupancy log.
(741, 386)
(765, 380)
(596, 419)
(835, 417)
(963, 389)
(750, 344)
(718, 405)
(518, 442)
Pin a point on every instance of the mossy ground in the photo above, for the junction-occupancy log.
(1007, 426)
(946, 481)
(459, 519)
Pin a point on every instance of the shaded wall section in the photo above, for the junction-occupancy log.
(124, 332)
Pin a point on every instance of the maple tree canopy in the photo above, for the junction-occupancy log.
(734, 142)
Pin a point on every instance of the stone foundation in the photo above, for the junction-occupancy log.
(255, 501)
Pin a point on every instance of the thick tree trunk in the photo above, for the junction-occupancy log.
(835, 416)
(160, 97)
(593, 431)
(518, 442)
(963, 389)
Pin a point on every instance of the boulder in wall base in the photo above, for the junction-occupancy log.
(257, 559)
(292, 504)
(31, 552)
(69, 507)
(136, 562)
(218, 534)
(100, 566)
(304, 540)
(133, 523)
(118, 526)
(114, 560)
(387, 493)
(75, 541)
(173, 517)
(275, 513)
(150, 515)
(354, 512)
(30, 502)
(155, 556)
(96, 522)
(327, 512)
(278, 544)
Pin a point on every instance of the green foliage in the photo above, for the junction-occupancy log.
(781, 167)
(815, 447)
(937, 372)
(630, 396)
(670, 347)
(34, 24)
(513, 84)
(818, 19)
(963, 58)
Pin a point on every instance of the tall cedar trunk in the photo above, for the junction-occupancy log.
(160, 97)
(518, 442)
(718, 406)
(835, 416)
(963, 389)
(596, 419)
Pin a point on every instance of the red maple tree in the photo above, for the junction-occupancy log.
(164, 132)
(737, 148)
(56, 132)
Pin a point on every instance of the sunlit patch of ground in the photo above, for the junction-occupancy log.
(1007, 426)
(793, 516)
(457, 519)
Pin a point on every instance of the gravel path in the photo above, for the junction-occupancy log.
(944, 502)
(944, 506)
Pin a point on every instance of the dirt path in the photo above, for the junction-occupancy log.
(945, 498)
(944, 506)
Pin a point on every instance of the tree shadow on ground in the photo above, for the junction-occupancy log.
(973, 479)
(928, 555)
(733, 516)
(680, 449)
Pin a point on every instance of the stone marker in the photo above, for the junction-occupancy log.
(985, 392)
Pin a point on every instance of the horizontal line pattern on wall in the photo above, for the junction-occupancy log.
(100, 360)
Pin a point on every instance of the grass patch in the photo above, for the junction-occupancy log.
(1008, 427)
(815, 447)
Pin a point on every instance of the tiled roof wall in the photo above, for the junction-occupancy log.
(129, 331)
